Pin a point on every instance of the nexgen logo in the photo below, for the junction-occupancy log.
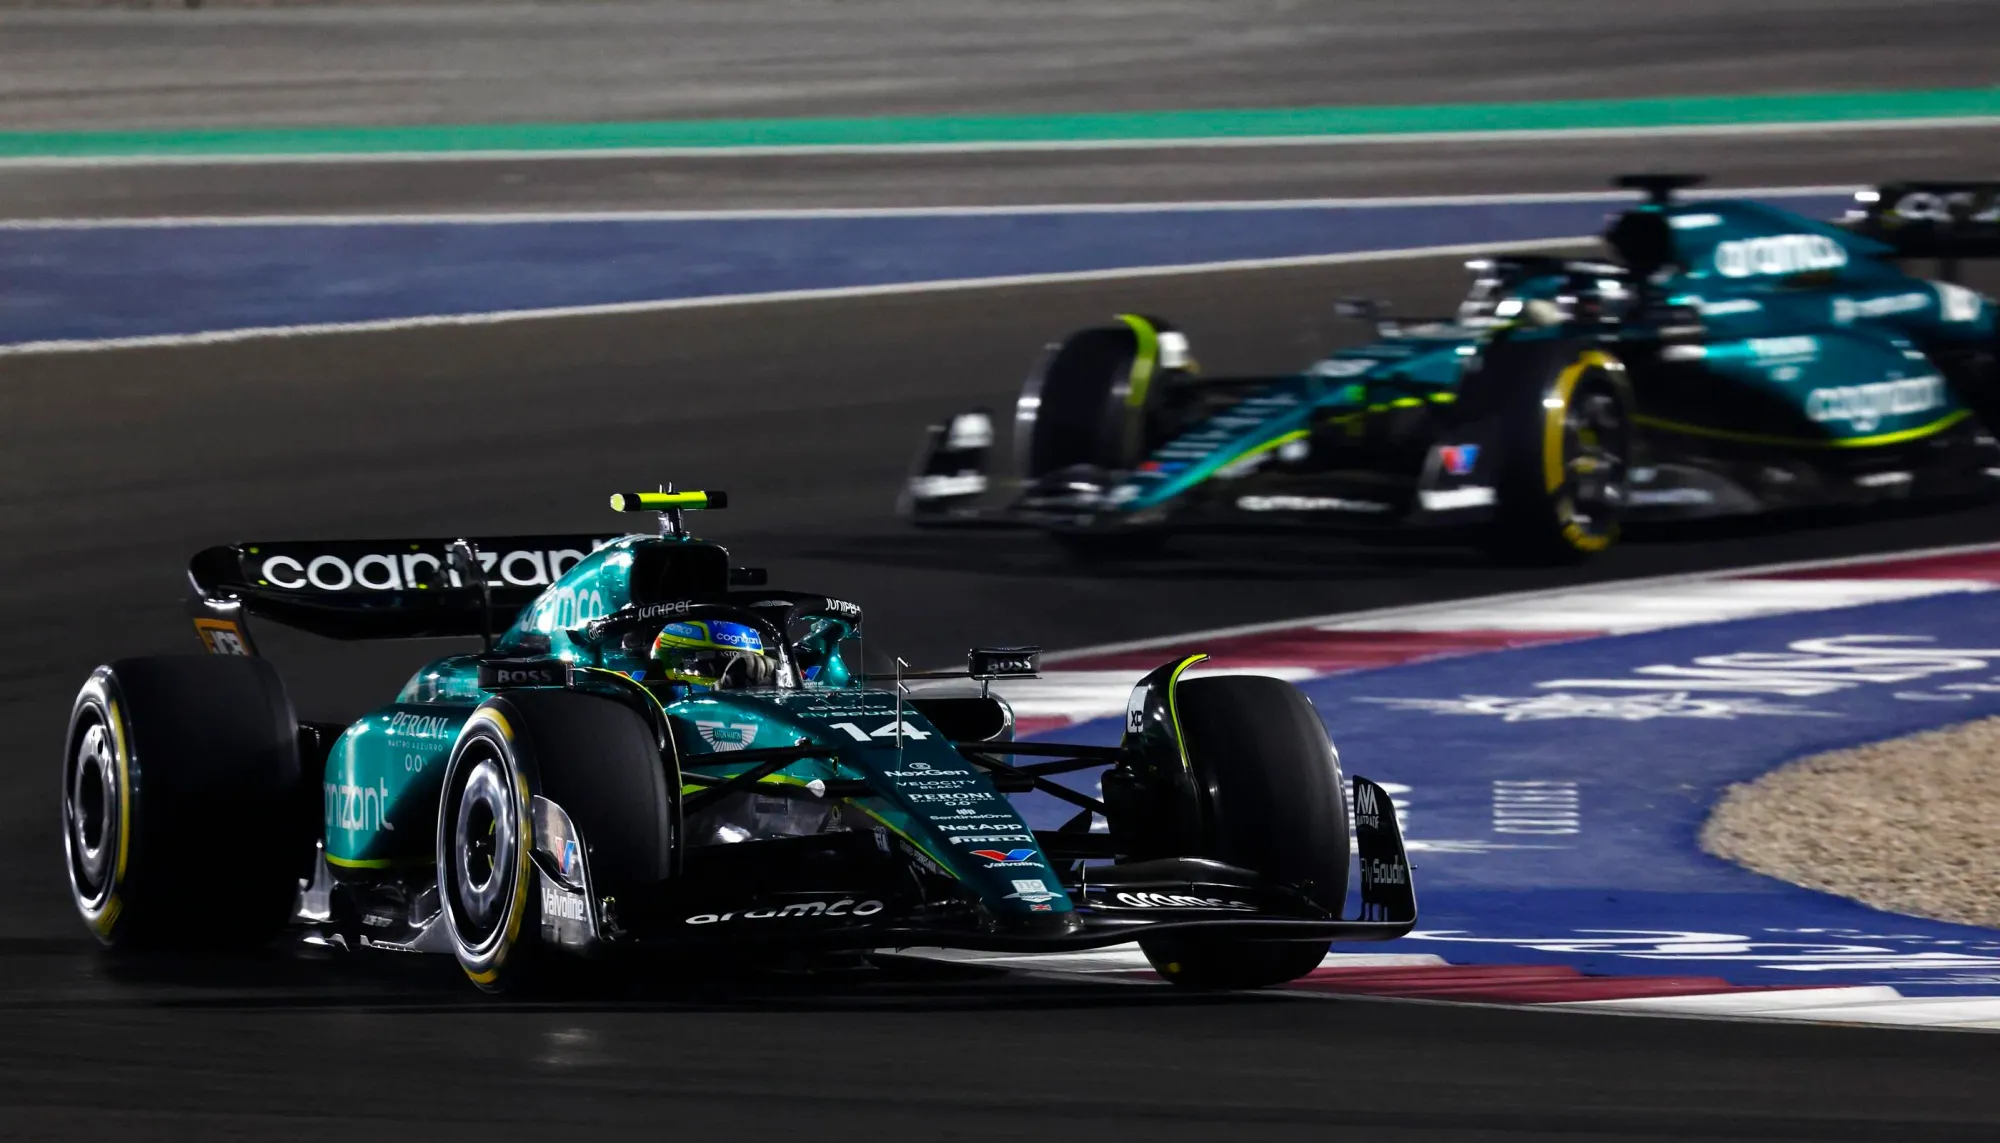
(1365, 809)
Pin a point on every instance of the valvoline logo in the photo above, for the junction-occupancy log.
(1458, 460)
(1009, 856)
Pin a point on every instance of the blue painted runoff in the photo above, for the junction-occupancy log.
(136, 281)
(1554, 795)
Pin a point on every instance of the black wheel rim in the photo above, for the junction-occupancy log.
(1596, 443)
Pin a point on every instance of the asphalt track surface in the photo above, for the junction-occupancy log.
(115, 467)
(119, 465)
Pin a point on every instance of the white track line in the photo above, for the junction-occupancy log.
(516, 218)
(449, 321)
(518, 155)
(1385, 618)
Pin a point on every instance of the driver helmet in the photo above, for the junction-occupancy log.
(713, 654)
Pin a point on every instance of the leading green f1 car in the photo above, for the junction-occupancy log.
(657, 753)
(1728, 358)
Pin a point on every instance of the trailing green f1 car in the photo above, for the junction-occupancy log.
(1736, 358)
(659, 753)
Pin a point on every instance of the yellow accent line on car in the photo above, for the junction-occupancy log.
(1144, 361)
(1267, 446)
(1898, 437)
(1174, 707)
(368, 862)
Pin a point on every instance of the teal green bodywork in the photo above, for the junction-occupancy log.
(1818, 339)
(384, 773)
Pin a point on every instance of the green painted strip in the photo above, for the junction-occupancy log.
(1302, 122)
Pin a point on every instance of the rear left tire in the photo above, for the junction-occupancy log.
(185, 821)
(1565, 434)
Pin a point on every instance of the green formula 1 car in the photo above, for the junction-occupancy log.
(658, 753)
(1731, 358)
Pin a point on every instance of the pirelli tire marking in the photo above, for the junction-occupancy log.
(99, 765)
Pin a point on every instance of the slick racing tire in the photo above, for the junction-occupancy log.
(1097, 401)
(592, 756)
(1270, 785)
(1564, 427)
(185, 819)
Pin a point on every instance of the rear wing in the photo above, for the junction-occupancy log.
(1944, 220)
(375, 589)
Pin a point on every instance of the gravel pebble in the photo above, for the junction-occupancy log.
(1907, 825)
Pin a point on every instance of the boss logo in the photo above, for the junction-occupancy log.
(494, 676)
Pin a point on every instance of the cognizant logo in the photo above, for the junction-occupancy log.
(1864, 406)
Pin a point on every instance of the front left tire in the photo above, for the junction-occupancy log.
(592, 756)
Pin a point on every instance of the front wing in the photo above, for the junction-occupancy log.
(864, 894)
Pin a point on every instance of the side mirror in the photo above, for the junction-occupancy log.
(749, 577)
(1004, 662)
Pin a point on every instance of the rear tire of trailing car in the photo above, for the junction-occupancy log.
(185, 819)
(1095, 405)
(594, 757)
(1270, 786)
(1563, 426)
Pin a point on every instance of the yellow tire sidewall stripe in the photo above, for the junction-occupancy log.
(1554, 421)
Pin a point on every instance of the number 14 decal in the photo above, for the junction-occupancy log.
(887, 730)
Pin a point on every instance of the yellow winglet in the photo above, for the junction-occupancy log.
(661, 501)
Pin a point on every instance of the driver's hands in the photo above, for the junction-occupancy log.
(746, 671)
